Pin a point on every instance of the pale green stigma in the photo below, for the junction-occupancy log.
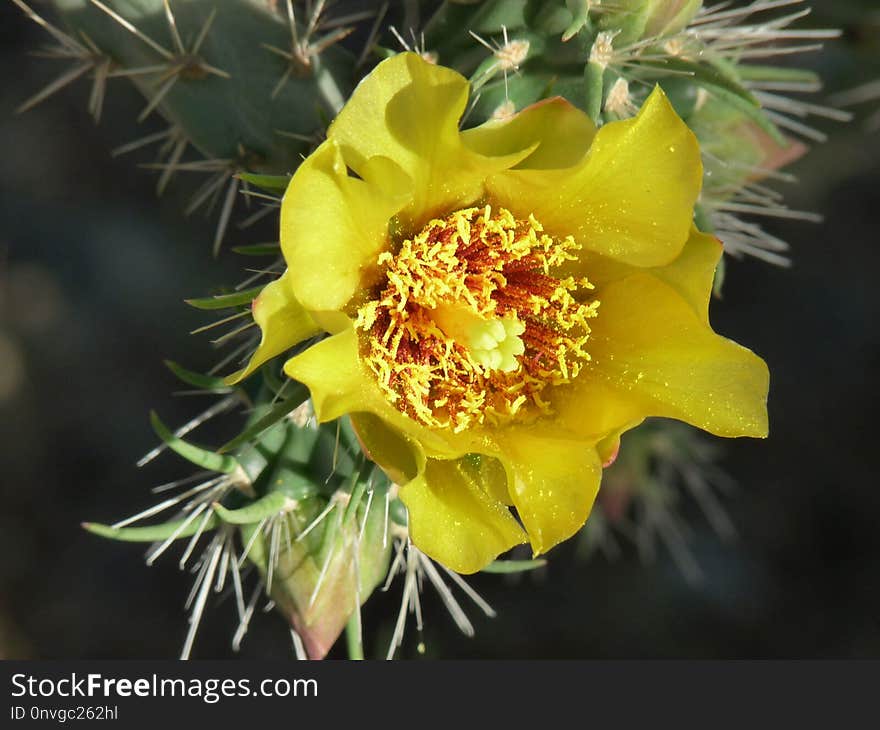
(492, 343)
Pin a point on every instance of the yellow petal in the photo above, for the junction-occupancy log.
(333, 226)
(632, 196)
(563, 131)
(337, 381)
(399, 457)
(652, 353)
(283, 321)
(691, 274)
(553, 483)
(454, 521)
(489, 473)
(408, 110)
(592, 409)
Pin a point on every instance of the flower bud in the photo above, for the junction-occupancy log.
(321, 561)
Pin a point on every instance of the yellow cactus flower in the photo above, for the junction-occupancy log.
(501, 303)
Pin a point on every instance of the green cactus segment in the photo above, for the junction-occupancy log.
(237, 112)
(203, 458)
(153, 533)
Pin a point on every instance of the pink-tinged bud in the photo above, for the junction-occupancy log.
(322, 564)
(774, 156)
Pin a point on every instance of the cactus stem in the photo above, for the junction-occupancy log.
(180, 63)
(88, 57)
(131, 28)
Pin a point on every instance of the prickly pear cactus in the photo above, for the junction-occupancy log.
(293, 511)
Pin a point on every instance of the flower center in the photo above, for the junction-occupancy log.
(470, 324)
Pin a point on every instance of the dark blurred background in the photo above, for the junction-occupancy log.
(93, 273)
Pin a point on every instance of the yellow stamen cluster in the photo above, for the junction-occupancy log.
(469, 323)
